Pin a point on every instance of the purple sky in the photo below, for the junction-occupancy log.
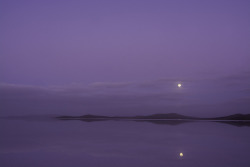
(124, 57)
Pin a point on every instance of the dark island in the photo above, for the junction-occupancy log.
(165, 119)
(170, 116)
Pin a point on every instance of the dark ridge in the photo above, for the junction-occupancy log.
(235, 117)
(173, 116)
(165, 116)
(66, 117)
(172, 122)
(93, 120)
(88, 116)
(165, 122)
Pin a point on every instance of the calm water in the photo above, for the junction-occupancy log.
(55, 143)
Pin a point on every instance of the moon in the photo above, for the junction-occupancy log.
(179, 85)
(181, 154)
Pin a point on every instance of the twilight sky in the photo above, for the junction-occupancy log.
(117, 57)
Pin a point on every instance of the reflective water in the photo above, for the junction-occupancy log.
(55, 143)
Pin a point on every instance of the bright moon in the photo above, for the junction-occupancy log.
(181, 154)
(179, 85)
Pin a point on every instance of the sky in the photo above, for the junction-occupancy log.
(117, 57)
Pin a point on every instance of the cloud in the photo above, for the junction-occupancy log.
(110, 85)
(243, 76)
(234, 80)
(16, 91)
(164, 83)
(80, 99)
(126, 98)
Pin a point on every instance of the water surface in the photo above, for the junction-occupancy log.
(29, 143)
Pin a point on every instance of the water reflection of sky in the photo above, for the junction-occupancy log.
(122, 143)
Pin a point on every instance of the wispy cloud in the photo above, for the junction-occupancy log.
(123, 98)
(110, 85)
(235, 80)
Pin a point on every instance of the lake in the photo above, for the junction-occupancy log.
(112, 143)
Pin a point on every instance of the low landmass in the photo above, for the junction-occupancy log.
(165, 119)
(170, 116)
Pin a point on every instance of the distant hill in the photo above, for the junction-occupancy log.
(164, 116)
(169, 116)
(234, 117)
